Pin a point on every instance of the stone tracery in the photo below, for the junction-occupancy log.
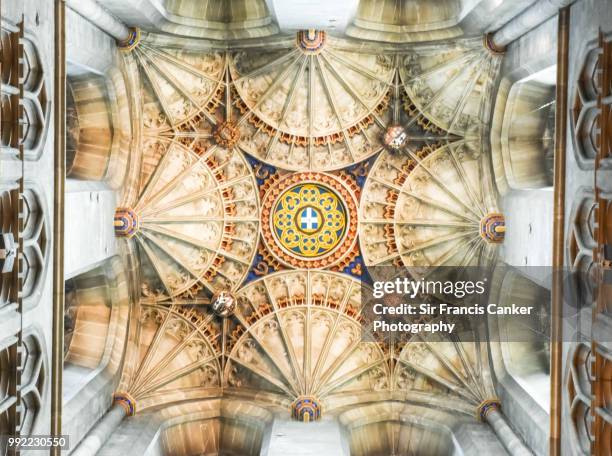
(217, 334)
(293, 338)
(22, 69)
(320, 111)
(196, 200)
(299, 336)
(181, 88)
(198, 211)
(448, 90)
(198, 220)
(424, 208)
(177, 351)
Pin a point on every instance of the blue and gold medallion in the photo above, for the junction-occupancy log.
(309, 219)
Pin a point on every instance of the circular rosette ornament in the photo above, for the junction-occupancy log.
(309, 220)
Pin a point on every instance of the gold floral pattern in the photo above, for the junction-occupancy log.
(309, 220)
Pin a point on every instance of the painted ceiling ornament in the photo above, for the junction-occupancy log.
(486, 407)
(306, 409)
(489, 43)
(395, 138)
(127, 222)
(493, 228)
(317, 108)
(125, 400)
(227, 134)
(223, 304)
(131, 42)
(309, 220)
(311, 41)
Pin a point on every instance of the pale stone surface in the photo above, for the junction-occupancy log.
(39, 24)
(476, 439)
(529, 226)
(88, 49)
(528, 242)
(89, 233)
(302, 439)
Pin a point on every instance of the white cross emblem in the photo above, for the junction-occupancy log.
(309, 219)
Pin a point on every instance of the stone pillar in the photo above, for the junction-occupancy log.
(99, 16)
(526, 135)
(526, 21)
(99, 135)
(123, 405)
(490, 413)
(101, 431)
(89, 143)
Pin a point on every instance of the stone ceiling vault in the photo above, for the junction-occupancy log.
(264, 182)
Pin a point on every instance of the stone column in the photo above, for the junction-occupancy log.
(101, 431)
(490, 413)
(98, 123)
(89, 121)
(123, 405)
(526, 21)
(99, 16)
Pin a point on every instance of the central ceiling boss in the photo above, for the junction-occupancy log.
(309, 220)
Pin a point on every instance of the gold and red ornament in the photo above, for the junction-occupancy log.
(486, 407)
(126, 222)
(309, 219)
(306, 409)
(126, 401)
(131, 42)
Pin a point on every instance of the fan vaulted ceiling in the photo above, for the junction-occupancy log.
(274, 177)
(226, 134)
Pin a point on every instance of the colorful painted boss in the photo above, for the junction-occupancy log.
(493, 228)
(311, 41)
(395, 137)
(486, 407)
(306, 408)
(127, 222)
(131, 42)
(125, 400)
(223, 304)
(309, 220)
